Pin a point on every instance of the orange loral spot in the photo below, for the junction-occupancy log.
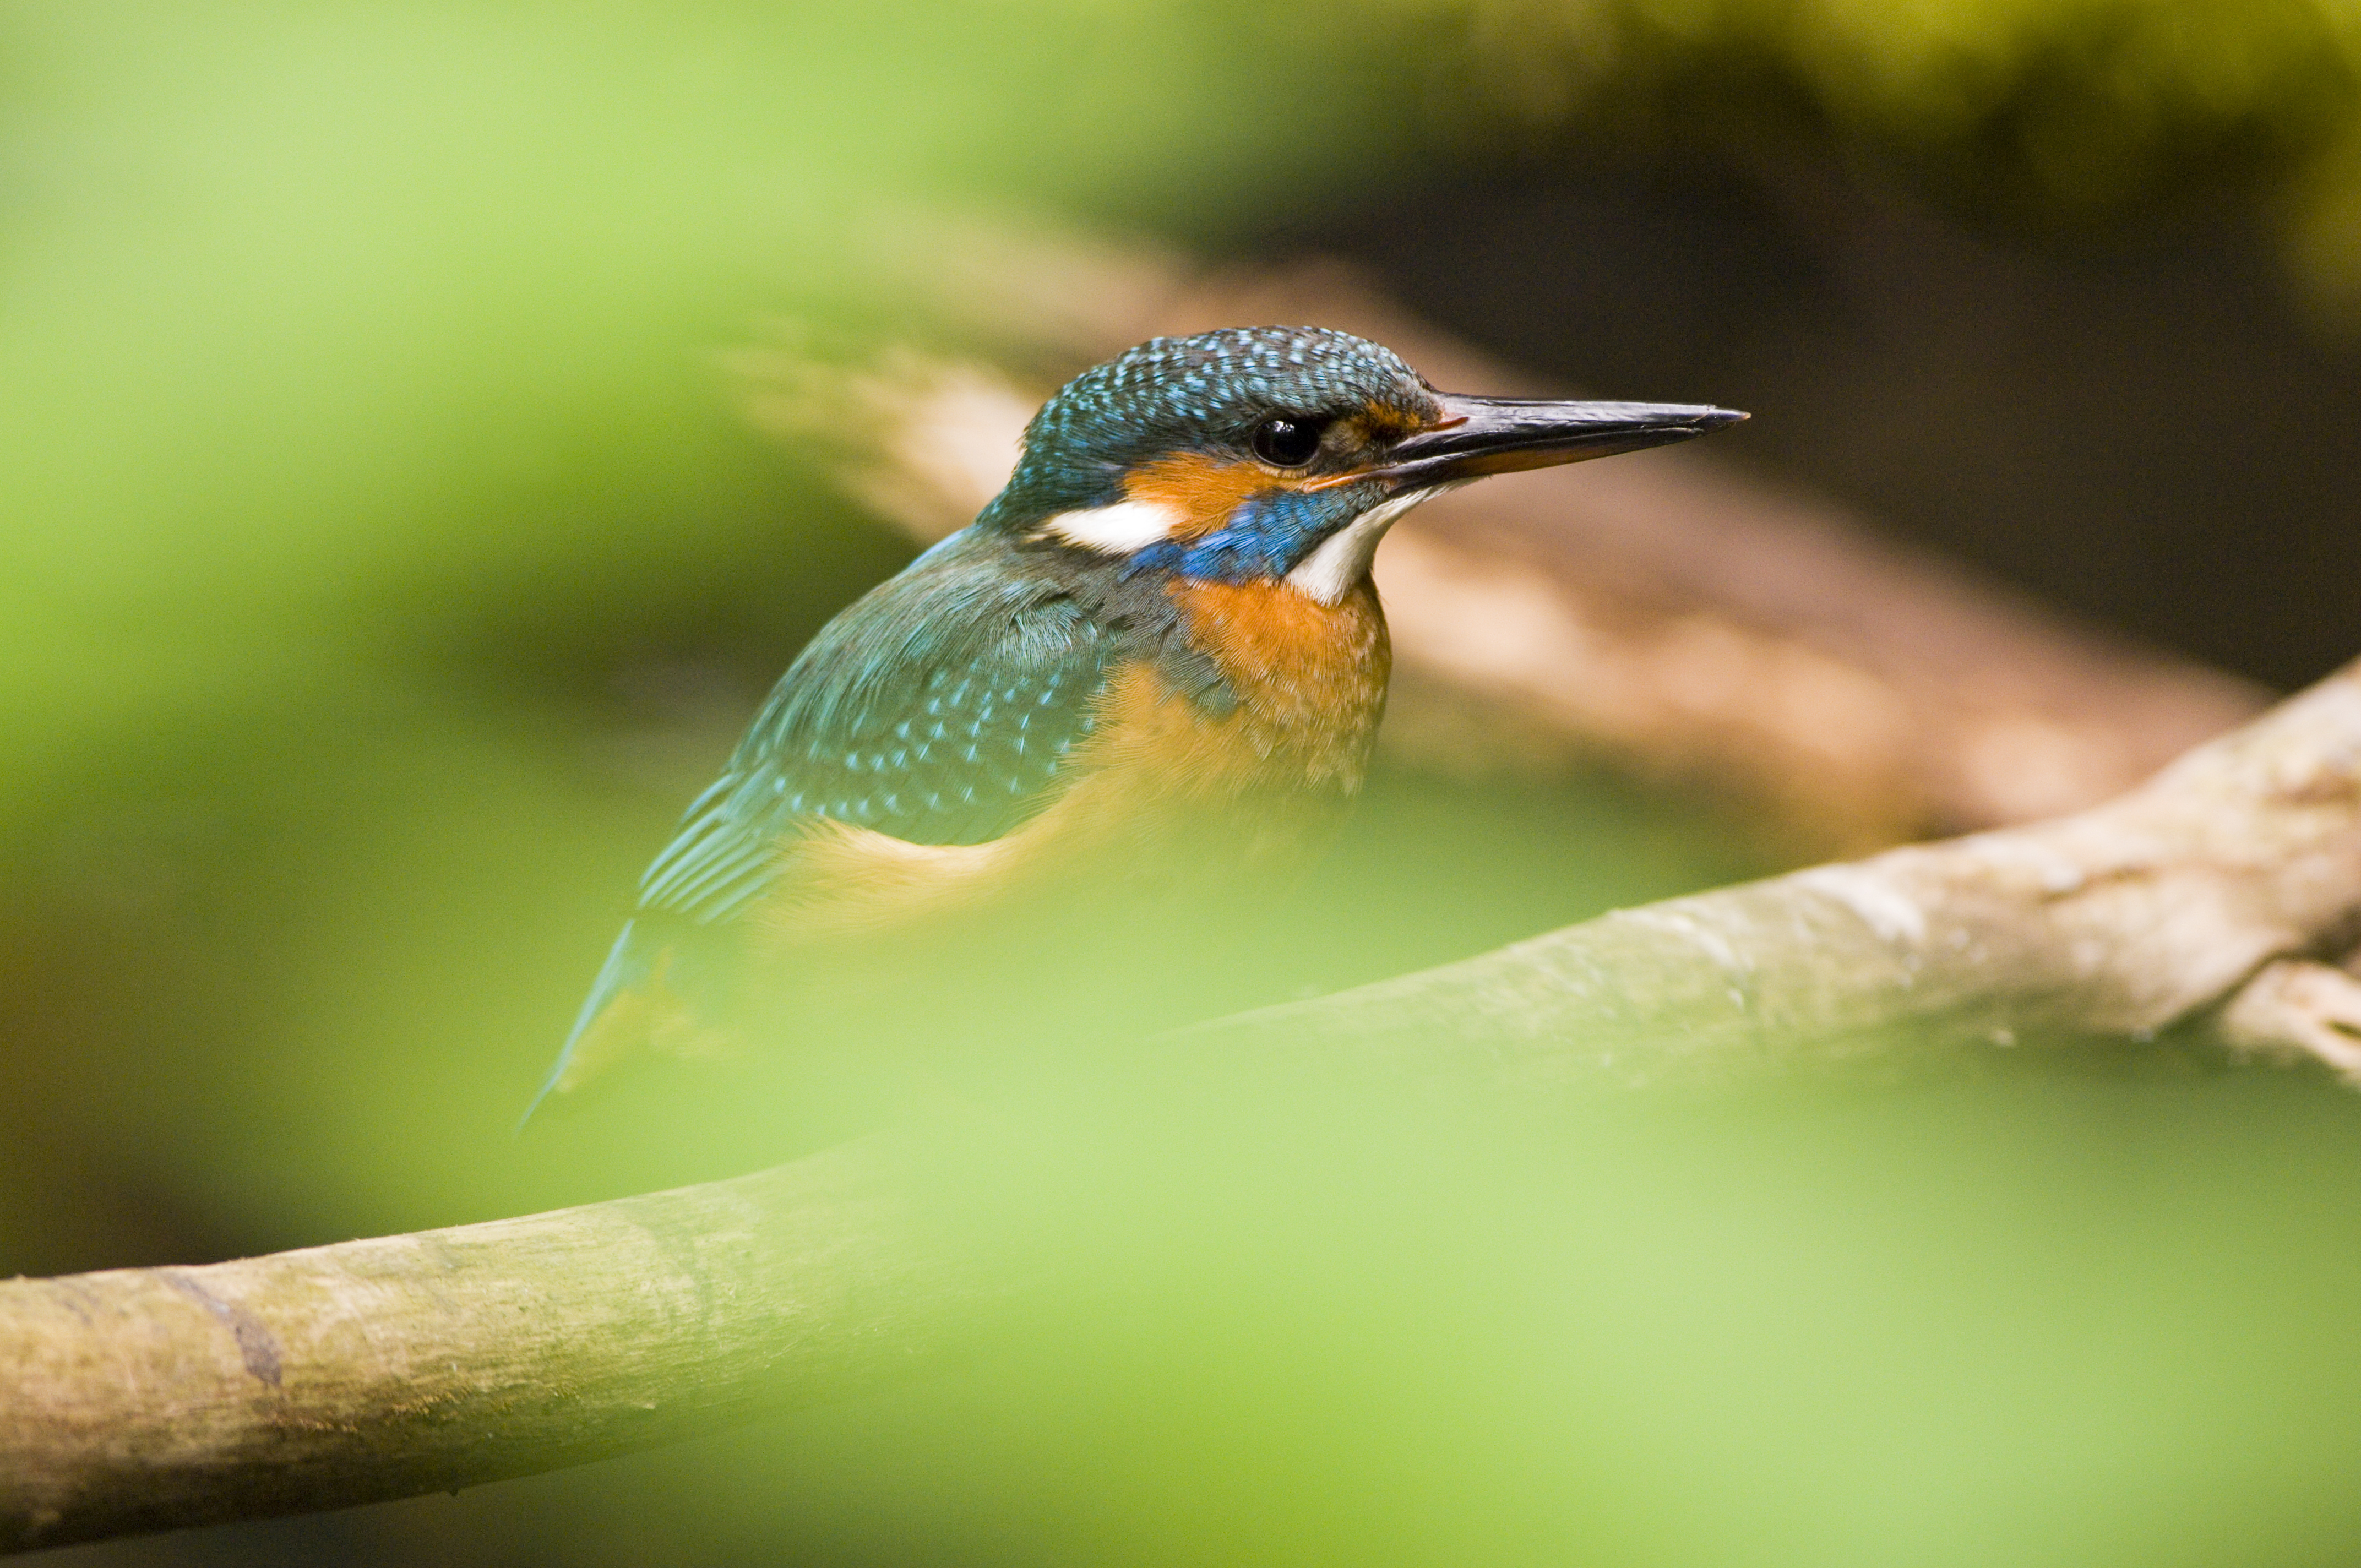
(1386, 423)
(1207, 490)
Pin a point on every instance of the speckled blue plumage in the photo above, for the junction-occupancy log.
(1181, 394)
(939, 707)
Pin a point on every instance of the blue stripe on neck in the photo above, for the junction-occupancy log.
(1263, 540)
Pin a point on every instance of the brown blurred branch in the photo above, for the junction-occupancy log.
(142, 1399)
(1666, 612)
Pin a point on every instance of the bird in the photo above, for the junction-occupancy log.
(1155, 654)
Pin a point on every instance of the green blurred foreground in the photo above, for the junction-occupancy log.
(385, 570)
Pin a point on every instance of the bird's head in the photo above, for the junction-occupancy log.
(1282, 453)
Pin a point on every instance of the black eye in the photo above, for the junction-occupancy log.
(1286, 443)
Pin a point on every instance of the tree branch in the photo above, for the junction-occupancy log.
(142, 1399)
(150, 1398)
(2122, 919)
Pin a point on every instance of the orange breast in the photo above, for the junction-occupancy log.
(1163, 787)
(1309, 677)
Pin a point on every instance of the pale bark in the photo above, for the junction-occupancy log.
(2122, 919)
(144, 1398)
(141, 1399)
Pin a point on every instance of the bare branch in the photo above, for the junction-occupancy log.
(2297, 1007)
(2122, 919)
(150, 1398)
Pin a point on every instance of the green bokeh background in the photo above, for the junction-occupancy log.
(385, 565)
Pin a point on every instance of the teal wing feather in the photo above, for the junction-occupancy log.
(941, 708)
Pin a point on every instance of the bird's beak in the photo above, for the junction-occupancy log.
(1499, 435)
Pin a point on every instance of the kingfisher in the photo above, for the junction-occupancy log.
(1157, 653)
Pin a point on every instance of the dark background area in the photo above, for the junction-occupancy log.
(2133, 420)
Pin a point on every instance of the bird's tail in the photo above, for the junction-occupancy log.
(628, 965)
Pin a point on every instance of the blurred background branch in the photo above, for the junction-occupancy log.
(1677, 619)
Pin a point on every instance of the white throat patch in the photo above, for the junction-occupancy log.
(1119, 527)
(1342, 560)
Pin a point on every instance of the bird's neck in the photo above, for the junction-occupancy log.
(1309, 676)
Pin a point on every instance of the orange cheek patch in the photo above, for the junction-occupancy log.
(1202, 492)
